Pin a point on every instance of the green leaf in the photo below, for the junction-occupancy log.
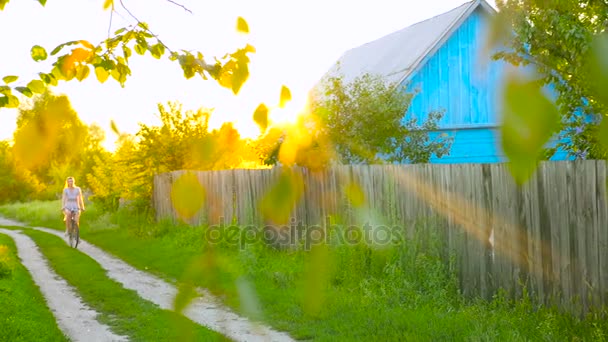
(10, 79)
(120, 30)
(187, 195)
(185, 294)
(355, 194)
(45, 77)
(48, 78)
(530, 120)
(241, 25)
(13, 101)
(278, 203)
(114, 127)
(2, 4)
(25, 91)
(598, 67)
(38, 53)
(140, 49)
(115, 74)
(112, 43)
(60, 46)
(603, 132)
(260, 116)
(56, 72)
(120, 73)
(6, 90)
(285, 96)
(317, 275)
(102, 74)
(82, 72)
(42, 2)
(157, 50)
(36, 86)
(3, 101)
(126, 51)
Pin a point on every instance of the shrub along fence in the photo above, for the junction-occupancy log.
(548, 237)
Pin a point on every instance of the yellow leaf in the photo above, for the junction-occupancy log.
(285, 96)
(102, 74)
(82, 72)
(241, 25)
(114, 127)
(87, 44)
(37, 86)
(260, 116)
(187, 195)
(282, 198)
(107, 4)
(355, 194)
(37, 139)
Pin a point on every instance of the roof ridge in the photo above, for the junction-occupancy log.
(469, 7)
(468, 3)
(399, 54)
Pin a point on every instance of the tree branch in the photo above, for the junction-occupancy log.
(145, 26)
(180, 5)
(110, 26)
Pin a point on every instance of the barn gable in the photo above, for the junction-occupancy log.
(444, 60)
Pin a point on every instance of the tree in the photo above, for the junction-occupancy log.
(50, 139)
(182, 140)
(364, 121)
(111, 175)
(111, 58)
(16, 184)
(564, 42)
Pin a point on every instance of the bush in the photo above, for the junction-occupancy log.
(6, 265)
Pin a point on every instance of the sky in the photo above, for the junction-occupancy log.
(296, 43)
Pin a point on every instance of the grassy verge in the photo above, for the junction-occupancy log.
(24, 315)
(343, 292)
(120, 308)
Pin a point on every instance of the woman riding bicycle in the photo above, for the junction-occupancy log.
(71, 200)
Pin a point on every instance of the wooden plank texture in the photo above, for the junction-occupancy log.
(551, 234)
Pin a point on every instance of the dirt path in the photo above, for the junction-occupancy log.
(204, 310)
(76, 320)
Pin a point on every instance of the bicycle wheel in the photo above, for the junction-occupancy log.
(76, 234)
(71, 233)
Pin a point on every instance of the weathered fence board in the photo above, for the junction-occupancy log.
(549, 236)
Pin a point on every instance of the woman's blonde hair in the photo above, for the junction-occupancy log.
(66, 182)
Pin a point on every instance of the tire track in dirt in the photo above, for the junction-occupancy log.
(205, 310)
(76, 320)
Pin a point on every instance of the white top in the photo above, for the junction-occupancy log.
(71, 197)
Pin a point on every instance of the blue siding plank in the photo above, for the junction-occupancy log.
(461, 80)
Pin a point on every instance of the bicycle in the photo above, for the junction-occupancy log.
(74, 230)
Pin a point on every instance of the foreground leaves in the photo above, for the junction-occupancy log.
(110, 58)
(187, 195)
(530, 120)
(282, 198)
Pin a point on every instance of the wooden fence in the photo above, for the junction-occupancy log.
(549, 237)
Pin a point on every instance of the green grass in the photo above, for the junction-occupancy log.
(350, 293)
(121, 309)
(24, 315)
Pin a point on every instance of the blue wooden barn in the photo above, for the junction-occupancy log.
(445, 59)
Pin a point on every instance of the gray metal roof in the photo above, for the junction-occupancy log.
(398, 54)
